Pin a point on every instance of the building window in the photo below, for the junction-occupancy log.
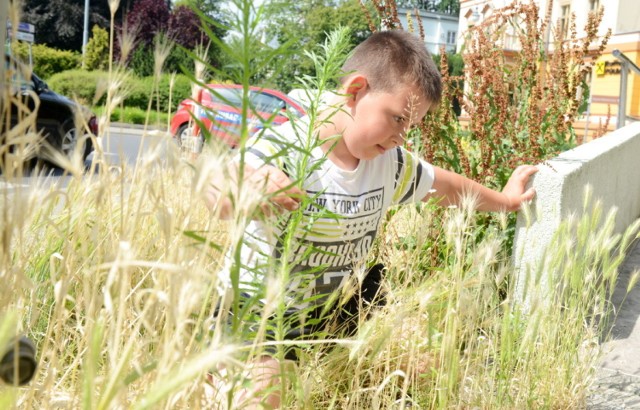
(451, 37)
(565, 20)
(594, 5)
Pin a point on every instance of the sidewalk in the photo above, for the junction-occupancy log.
(618, 381)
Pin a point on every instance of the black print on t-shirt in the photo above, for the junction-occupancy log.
(337, 242)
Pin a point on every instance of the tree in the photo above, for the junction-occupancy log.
(59, 23)
(185, 27)
(152, 18)
(448, 7)
(148, 18)
(210, 8)
(97, 53)
(305, 25)
(438, 6)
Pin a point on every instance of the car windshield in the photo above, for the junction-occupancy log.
(266, 102)
(259, 101)
(229, 96)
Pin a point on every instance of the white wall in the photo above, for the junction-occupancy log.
(622, 16)
(581, 8)
(435, 25)
(610, 165)
(628, 17)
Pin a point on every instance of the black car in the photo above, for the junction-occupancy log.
(62, 123)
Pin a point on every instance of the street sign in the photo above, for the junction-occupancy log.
(26, 32)
(28, 37)
(24, 27)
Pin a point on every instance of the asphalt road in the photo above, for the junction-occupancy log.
(121, 143)
(125, 143)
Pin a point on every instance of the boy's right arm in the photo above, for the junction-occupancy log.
(273, 189)
(450, 187)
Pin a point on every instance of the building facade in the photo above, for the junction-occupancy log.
(440, 30)
(621, 16)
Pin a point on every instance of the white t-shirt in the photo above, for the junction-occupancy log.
(334, 233)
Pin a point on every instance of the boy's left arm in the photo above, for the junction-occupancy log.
(450, 187)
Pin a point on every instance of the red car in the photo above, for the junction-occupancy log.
(218, 108)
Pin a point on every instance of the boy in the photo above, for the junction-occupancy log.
(356, 173)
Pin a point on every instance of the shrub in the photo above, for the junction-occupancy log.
(47, 61)
(135, 116)
(520, 107)
(141, 61)
(97, 53)
(160, 93)
(80, 84)
(89, 88)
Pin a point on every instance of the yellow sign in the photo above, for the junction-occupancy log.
(600, 67)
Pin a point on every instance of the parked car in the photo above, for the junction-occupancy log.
(218, 109)
(60, 121)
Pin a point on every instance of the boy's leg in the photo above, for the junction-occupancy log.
(368, 294)
(370, 291)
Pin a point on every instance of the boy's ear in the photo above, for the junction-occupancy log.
(354, 86)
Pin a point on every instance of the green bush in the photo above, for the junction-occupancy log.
(97, 53)
(141, 61)
(79, 84)
(135, 115)
(181, 90)
(47, 61)
(143, 58)
(146, 88)
(83, 84)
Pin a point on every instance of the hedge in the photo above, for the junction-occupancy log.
(83, 85)
(47, 61)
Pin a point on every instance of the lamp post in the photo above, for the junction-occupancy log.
(85, 33)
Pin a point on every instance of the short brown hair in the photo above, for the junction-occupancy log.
(393, 58)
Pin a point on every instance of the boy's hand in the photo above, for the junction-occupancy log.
(277, 185)
(267, 184)
(514, 192)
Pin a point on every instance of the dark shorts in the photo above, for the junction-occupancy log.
(340, 320)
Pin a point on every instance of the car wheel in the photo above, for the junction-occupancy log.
(183, 131)
(70, 140)
(187, 141)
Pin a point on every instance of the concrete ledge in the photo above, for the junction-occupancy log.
(610, 165)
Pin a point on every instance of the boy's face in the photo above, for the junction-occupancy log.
(380, 120)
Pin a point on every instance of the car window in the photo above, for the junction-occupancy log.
(294, 110)
(259, 101)
(229, 96)
(266, 102)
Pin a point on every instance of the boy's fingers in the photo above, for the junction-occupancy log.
(286, 202)
(287, 197)
(526, 171)
(275, 182)
(529, 194)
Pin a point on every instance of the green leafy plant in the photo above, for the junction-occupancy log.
(97, 52)
(518, 106)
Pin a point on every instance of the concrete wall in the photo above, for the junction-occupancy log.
(610, 165)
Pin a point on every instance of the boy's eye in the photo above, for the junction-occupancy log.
(398, 119)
